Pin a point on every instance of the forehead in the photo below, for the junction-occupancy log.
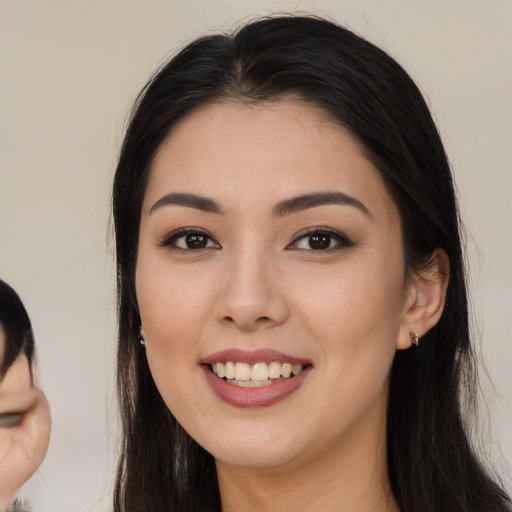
(264, 152)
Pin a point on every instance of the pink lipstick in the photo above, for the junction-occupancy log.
(268, 392)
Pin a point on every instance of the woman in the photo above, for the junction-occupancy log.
(292, 303)
(24, 412)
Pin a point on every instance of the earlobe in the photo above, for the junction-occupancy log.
(426, 297)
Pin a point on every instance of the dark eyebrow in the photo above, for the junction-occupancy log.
(303, 202)
(202, 203)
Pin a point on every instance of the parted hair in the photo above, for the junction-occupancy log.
(432, 465)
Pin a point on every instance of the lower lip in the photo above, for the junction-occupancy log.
(253, 397)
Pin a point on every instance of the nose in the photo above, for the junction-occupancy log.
(252, 295)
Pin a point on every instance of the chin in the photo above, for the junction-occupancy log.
(262, 449)
(254, 458)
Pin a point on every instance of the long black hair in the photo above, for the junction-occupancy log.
(17, 329)
(432, 466)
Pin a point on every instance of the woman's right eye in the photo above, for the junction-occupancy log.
(190, 240)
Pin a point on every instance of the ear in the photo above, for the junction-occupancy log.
(425, 298)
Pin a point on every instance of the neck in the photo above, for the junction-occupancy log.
(350, 476)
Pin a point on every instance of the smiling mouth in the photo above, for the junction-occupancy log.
(255, 375)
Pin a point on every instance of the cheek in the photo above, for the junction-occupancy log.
(171, 300)
(354, 320)
(361, 300)
(354, 316)
(174, 307)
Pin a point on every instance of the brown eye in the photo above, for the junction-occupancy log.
(196, 241)
(319, 241)
(190, 240)
(322, 239)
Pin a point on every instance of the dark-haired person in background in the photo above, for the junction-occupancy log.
(24, 412)
(292, 293)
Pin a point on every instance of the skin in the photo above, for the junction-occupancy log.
(24, 427)
(258, 284)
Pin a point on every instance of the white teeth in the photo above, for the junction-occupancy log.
(286, 370)
(274, 370)
(242, 371)
(259, 372)
(221, 370)
(246, 375)
(250, 383)
(230, 370)
(296, 369)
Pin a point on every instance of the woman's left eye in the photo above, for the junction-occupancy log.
(320, 240)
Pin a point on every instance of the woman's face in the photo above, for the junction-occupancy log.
(268, 237)
(24, 426)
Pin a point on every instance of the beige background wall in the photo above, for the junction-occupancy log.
(69, 71)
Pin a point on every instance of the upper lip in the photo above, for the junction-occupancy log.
(253, 356)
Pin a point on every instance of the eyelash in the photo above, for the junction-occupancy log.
(170, 241)
(342, 241)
